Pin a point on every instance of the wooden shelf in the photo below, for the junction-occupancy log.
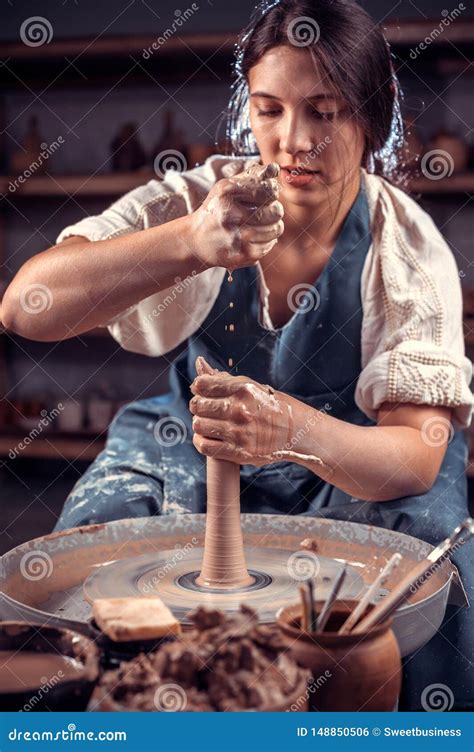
(90, 62)
(116, 184)
(97, 333)
(457, 183)
(112, 184)
(199, 55)
(121, 46)
(412, 31)
(71, 446)
(405, 31)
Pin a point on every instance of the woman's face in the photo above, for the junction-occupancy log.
(299, 122)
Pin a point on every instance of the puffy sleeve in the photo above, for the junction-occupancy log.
(123, 216)
(159, 323)
(412, 334)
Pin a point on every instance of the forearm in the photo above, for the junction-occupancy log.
(373, 463)
(86, 284)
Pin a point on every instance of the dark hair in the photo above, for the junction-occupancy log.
(353, 56)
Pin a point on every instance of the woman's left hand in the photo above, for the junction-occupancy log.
(237, 419)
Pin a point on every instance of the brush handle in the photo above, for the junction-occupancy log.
(379, 582)
(326, 610)
(392, 601)
(405, 587)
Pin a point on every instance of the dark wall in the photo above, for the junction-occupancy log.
(84, 17)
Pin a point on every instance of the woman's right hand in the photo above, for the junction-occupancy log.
(240, 220)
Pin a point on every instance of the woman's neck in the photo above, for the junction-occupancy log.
(310, 228)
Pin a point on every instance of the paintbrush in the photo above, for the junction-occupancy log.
(416, 577)
(326, 609)
(379, 582)
(304, 608)
(312, 610)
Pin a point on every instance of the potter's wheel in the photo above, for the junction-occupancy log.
(276, 573)
(44, 579)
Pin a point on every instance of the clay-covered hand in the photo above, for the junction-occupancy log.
(240, 220)
(238, 419)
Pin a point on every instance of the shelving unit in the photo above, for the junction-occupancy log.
(54, 445)
(81, 63)
(400, 34)
(116, 184)
(51, 186)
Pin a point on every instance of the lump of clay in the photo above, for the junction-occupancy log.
(225, 663)
(309, 544)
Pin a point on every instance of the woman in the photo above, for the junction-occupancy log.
(337, 344)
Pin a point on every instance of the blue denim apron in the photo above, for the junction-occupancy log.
(150, 466)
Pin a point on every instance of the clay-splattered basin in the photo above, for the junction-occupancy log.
(44, 578)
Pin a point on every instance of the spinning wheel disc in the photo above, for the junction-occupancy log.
(69, 558)
(172, 576)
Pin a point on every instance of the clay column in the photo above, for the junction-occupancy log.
(223, 564)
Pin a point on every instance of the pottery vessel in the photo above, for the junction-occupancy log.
(350, 672)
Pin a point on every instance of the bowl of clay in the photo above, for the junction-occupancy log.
(45, 668)
(173, 698)
(225, 664)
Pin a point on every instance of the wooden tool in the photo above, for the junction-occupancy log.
(304, 608)
(312, 610)
(379, 582)
(416, 577)
(326, 610)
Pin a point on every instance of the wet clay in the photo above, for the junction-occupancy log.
(223, 561)
(25, 670)
(227, 663)
(250, 201)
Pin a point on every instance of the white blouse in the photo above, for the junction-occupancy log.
(412, 337)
